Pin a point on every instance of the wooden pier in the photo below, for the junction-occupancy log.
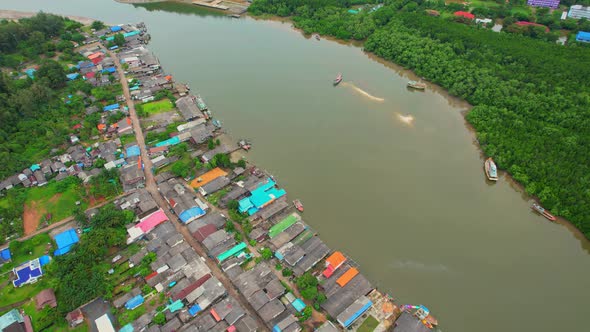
(215, 4)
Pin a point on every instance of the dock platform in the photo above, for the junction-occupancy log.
(215, 4)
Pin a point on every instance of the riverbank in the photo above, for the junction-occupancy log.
(6, 14)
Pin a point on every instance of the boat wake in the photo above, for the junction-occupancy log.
(363, 92)
(405, 119)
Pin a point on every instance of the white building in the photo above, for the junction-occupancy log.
(578, 11)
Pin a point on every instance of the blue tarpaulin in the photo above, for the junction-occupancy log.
(44, 260)
(133, 151)
(194, 310)
(191, 214)
(134, 302)
(35, 167)
(72, 76)
(583, 36)
(111, 107)
(5, 254)
(109, 70)
(65, 241)
(31, 72)
(115, 28)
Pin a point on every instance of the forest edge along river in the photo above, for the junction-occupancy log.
(410, 204)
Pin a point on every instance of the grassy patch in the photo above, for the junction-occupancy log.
(126, 139)
(369, 324)
(56, 198)
(10, 294)
(214, 198)
(128, 316)
(156, 107)
(29, 249)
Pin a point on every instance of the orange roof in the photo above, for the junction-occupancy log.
(336, 259)
(215, 315)
(168, 77)
(128, 120)
(101, 126)
(347, 276)
(208, 177)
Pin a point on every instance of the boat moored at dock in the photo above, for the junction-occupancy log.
(298, 205)
(541, 210)
(416, 85)
(491, 169)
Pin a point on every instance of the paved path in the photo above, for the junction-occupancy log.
(151, 187)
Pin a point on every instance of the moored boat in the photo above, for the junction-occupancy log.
(541, 210)
(317, 37)
(416, 85)
(298, 205)
(338, 79)
(244, 144)
(491, 169)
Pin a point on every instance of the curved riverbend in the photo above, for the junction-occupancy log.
(409, 203)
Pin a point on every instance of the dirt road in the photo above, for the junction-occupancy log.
(151, 187)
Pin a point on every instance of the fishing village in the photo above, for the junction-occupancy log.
(215, 244)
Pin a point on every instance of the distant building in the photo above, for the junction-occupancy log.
(464, 14)
(579, 11)
(543, 3)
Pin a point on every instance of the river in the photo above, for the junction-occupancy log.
(390, 176)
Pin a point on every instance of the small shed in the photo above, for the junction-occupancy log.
(45, 298)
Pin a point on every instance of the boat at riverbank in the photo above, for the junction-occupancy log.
(338, 79)
(541, 210)
(416, 85)
(491, 169)
(298, 205)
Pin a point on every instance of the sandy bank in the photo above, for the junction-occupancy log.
(17, 15)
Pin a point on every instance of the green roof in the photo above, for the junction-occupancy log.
(232, 252)
(281, 226)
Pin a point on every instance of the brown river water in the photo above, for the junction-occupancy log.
(391, 177)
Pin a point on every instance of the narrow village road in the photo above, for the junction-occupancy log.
(63, 221)
(152, 188)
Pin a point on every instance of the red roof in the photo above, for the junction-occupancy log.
(231, 328)
(190, 288)
(95, 55)
(78, 126)
(151, 275)
(525, 23)
(202, 233)
(150, 222)
(96, 60)
(158, 149)
(215, 315)
(464, 14)
(90, 74)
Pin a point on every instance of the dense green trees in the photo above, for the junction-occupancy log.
(81, 274)
(531, 98)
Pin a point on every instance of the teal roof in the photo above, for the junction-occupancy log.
(232, 252)
(127, 328)
(9, 318)
(260, 197)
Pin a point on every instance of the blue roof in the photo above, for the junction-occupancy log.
(65, 241)
(5, 254)
(583, 36)
(133, 151)
(194, 309)
(72, 76)
(85, 64)
(127, 328)
(357, 314)
(27, 271)
(299, 305)
(115, 28)
(111, 107)
(109, 70)
(191, 214)
(35, 167)
(134, 302)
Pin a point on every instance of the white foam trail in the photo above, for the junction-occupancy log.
(363, 92)
(406, 119)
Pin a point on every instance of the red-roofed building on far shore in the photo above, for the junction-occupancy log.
(525, 23)
(464, 14)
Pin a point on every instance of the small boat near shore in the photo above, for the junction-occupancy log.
(338, 79)
(416, 85)
(541, 210)
(244, 144)
(491, 169)
(298, 205)
(317, 37)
